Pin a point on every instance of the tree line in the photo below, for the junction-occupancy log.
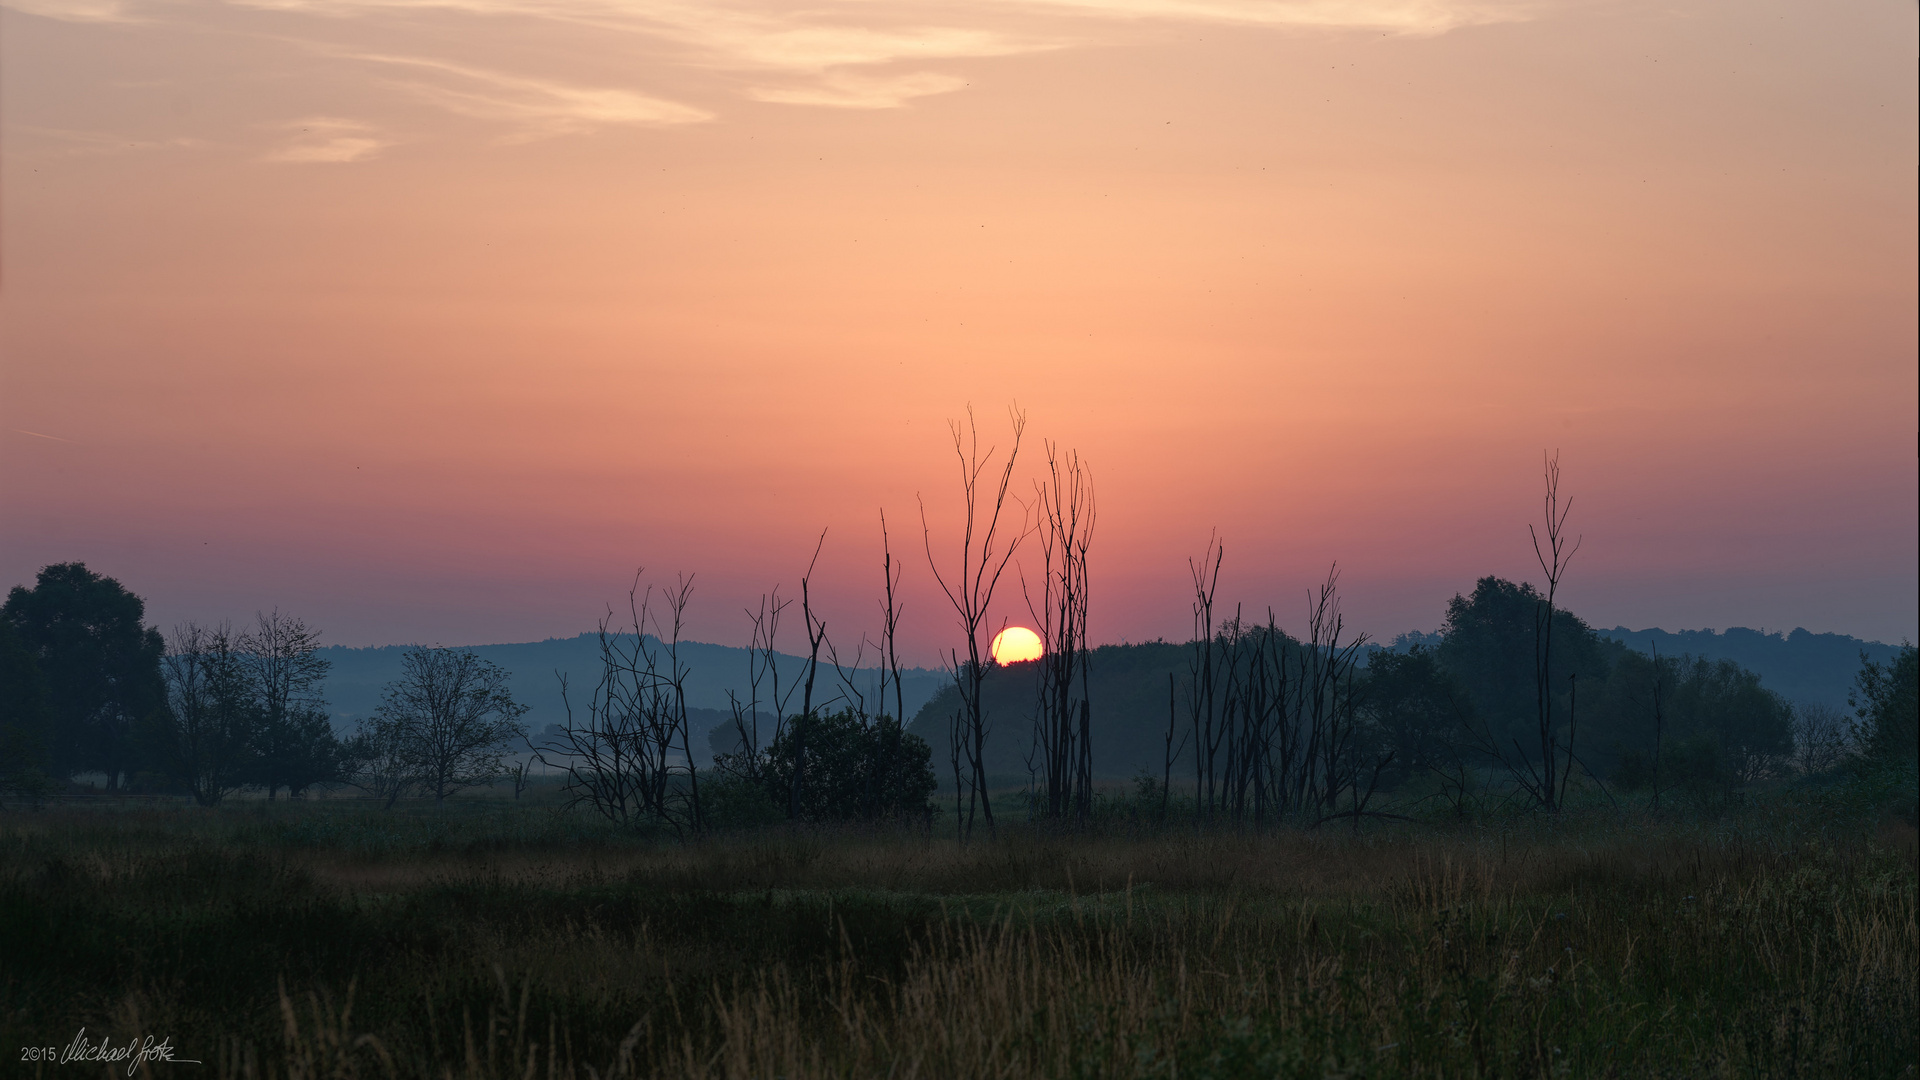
(86, 687)
(1518, 699)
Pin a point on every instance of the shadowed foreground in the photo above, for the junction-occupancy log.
(512, 941)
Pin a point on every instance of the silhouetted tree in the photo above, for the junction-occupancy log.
(1722, 708)
(295, 746)
(382, 759)
(205, 739)
(631, 759)
(862, 767)
(1550, 781)
(1886, 700)
(1491, 645)
(447, 721)
(23, 718)
(1412, 703)
(970, 591)
(798, 726)
(763, 676)
(1062, 736)
(101, 666)
(1822, 738)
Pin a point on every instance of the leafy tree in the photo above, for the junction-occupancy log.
(856, 768)
(23, 717)
(205, 738)
(1488, 645)
(1723, 704)
(442, 726)
(298, 751)
(1412, 706)
(1886, 698)
(101, 666)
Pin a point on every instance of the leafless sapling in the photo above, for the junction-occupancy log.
(1553, 558)
(1062, 724)
(621, 759)
(970, 588)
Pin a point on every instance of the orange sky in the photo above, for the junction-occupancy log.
(432, 320)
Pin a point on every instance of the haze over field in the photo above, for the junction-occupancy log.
(429, 321)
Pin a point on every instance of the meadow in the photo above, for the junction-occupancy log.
(494, 938)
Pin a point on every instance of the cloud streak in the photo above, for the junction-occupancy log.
(537, 104)
(324, 140)
(847, 90)
(830, 53)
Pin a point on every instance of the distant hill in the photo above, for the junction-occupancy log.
(1129, 715)
(355, 682)
(1129, 690)
(1129, 693)
(1803, 667)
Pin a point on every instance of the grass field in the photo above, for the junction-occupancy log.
(494, 938)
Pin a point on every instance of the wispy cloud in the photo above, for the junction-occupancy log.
(764, 37)
(848, 90)
(83, 11)
(328, 140)
(74, 142)
(37, 435)
(539, 104)
(1404, 16)
(830, 53)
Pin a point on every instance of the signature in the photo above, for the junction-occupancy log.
(135, 1052)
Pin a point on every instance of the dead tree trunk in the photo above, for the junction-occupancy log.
(1061, 725)
(970, 590)
(1553, 558)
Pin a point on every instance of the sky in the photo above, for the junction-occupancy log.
(438, 320)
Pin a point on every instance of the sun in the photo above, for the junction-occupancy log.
(1015, 644)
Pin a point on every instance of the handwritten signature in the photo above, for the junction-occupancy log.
(135, 1052)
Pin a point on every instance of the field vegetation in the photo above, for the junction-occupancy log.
(494, 938)
(1520, 849)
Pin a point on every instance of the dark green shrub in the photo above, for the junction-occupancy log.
(840, 766)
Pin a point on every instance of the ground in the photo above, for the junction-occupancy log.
(503, 938)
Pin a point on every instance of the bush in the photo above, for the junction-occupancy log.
(850, 767)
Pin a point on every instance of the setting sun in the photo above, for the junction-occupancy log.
(1016, 644)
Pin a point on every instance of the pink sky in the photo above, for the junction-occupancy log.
(433, 320)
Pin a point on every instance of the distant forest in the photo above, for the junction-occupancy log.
(1482, 658)
(1514, 698)
(1805, 668)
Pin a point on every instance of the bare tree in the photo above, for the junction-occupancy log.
(1201, 684)
(384, 760)
(890, 611)
(295, 746)
(450, 717)
(208, 730)
(889, 652)
(1822, 737)
(763, 671)
(1063, 738)
(969, 588)
(816, 636)
(631, 759)
(1549, 783)
(1543, 770)
(1275, 724)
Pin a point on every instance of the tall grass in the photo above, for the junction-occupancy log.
(504, 941)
